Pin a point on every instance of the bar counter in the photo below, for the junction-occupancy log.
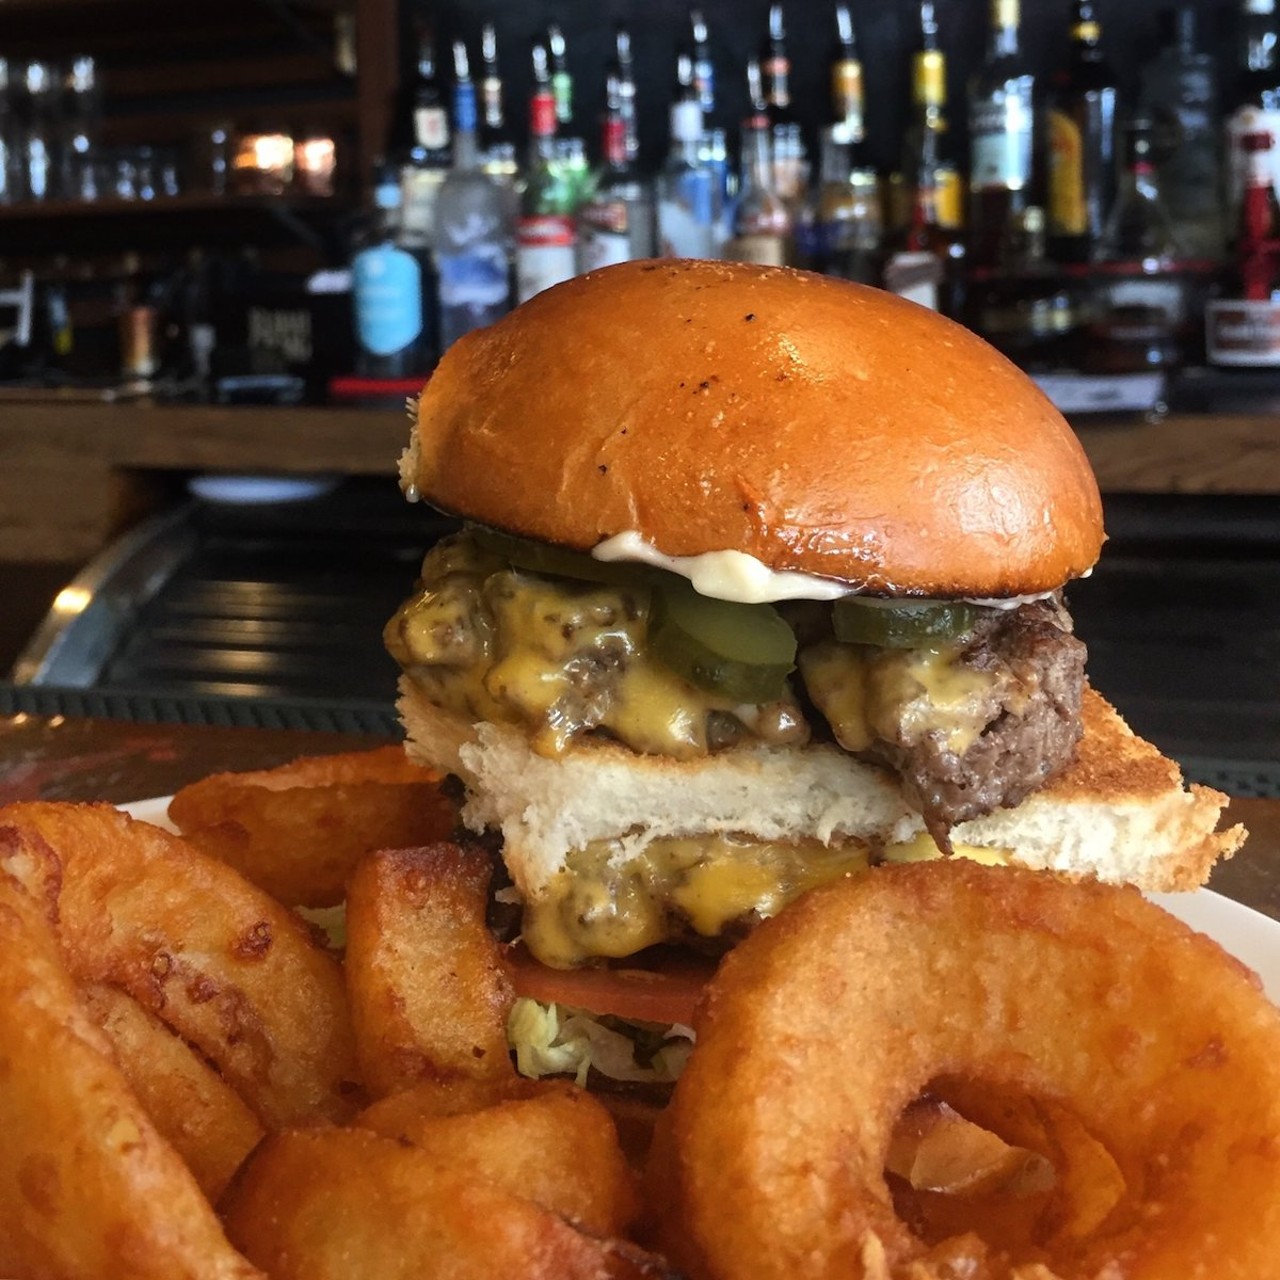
(73, 475)
(66, 758)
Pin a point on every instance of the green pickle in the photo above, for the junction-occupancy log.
(742, 651)
(901, 624)
(559, 562)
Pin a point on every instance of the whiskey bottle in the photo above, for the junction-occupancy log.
(761, 219)
(1081, 148)
(1001, 137)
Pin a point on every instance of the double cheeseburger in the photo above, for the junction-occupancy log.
(759, 583)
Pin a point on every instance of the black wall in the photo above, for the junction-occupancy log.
(887, 32)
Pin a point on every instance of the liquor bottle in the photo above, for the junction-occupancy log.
(922, 259)
(427, 159)
(546, 235)
(928, 127)
(390, 279)
(846, 81)
(494, 125)
(1024, 305)
(623, 67)
(790, 167)
(1180, 92)
(1257, 95)
(1139, 313)
(1081, 123)
(704, 71)
(617, 223)
(761, 228)
(930, 218)
(474, 279)
(1243, 329)
(1001, 137)
(687, 206)
(561, 80)
(840, 226)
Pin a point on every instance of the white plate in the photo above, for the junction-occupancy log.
(1247, 934)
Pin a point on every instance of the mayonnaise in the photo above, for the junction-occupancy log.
(741, 578)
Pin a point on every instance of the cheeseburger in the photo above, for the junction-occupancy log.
(760, 582)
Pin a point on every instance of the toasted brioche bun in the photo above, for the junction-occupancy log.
(817, 425)
(1119, 813)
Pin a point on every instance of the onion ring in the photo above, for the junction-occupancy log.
(1026, 990)
(89, 1187)
(232, 971)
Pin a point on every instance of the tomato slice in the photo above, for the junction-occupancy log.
(664, 992)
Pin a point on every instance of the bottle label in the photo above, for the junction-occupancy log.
(1245, 121)
(767, 249)
(418, 191)
(545, 253)
(604, 234)
(431, 128)
(1002, 137)
(476, 279)
(387, 287)
(686, 213)
(915, 276)
(1068, 214)
(1241, 333)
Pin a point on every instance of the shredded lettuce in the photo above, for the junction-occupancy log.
(550, 1040)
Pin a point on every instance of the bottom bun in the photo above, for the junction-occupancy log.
(1120, 812)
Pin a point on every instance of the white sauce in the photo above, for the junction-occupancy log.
(736, 576)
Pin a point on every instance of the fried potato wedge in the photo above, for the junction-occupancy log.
(557, 1147)
(429, 991)
(232, 971)
(347, 1204)
(298, 831)
(188, 1102)
(89, 1188)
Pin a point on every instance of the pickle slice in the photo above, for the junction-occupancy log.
(559, 562)
(901, 624)
(744, 652)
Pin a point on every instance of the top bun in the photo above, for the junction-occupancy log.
(818, 425)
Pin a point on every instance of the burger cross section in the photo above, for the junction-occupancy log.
(671, 763)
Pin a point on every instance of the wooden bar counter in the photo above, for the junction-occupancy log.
(73, 474)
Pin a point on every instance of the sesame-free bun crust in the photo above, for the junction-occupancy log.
(817, 425)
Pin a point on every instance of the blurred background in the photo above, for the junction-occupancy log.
(234, 239)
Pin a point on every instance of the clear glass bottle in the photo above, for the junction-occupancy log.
(1180, 92)
(704, 69)
(617, 223)
(687, 205)
(761, 229)
(390, 278)
(472, 236)
(1001, 137)
(1140, 312)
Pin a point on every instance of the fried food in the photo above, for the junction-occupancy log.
(346, 1204)
(298, 831)
(555, 1146)
(429, 991)
(88, 1187)
(188, 1102)
(228, 968)
(1075, 1020)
